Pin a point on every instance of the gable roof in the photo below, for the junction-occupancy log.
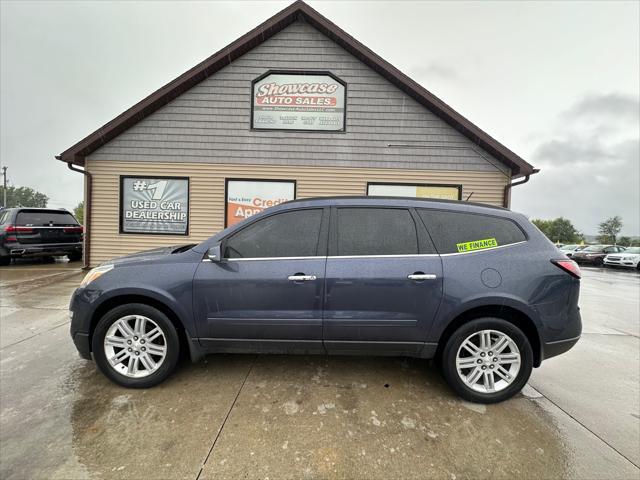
(296, 11)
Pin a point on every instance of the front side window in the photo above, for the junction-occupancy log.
(287, 234)
(376, 231)
(459, 232)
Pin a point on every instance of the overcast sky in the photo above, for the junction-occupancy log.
(558, 83)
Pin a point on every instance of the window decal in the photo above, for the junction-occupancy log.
(477, 245)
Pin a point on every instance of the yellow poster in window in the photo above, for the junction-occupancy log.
(445, 193)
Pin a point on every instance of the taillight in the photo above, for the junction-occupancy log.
(14, 229)
(72, 230)
(568, 266)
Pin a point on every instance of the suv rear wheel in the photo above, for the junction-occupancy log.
(135, 345)
(487, 360)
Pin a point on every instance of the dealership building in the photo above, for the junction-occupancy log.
(295, 108)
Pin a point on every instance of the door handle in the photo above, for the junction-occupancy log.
(301, 278)
(422, 276)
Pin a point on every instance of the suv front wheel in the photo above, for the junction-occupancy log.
(135, 345)
(487, 360)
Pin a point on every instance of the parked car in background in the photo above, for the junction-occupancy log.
(630, 258)
(479, 288)
(570, 249)
(39, 232)
(594, 254)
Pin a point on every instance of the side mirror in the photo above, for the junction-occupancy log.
(215, 253)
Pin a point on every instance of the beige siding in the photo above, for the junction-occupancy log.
(206, 209)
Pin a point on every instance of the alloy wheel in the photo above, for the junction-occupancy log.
(488, 361)
(135, 346)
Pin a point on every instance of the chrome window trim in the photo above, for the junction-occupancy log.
(405, 255)
(254, 259)
(408, 255)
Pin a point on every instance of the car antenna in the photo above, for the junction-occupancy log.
(469, 197)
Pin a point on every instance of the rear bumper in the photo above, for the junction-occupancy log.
(552, 349)
(588, 260)
(43, 249)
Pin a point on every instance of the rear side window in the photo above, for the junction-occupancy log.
(376, 231)
(288, 234)
(40, 219)
(4, 216)
(458, 232)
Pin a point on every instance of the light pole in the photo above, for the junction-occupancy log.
(4, 186)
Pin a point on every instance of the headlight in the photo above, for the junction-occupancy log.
(95, 273)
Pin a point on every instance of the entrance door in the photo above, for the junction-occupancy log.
(266, 293)
(383, 282)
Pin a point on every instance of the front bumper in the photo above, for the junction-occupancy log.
(81, 341)
(81, 313)
(620, 263)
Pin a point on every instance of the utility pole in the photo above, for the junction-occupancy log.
(4, 185)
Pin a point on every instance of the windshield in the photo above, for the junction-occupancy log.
(633, 250)
(594, 248)
(568, 247)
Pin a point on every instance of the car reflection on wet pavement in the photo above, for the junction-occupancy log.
(310, 417)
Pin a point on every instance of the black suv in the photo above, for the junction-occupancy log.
(39, 232)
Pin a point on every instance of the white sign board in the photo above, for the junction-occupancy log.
(248, 197)
(298, 102)
(446, 192)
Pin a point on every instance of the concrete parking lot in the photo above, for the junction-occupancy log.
(311, 417)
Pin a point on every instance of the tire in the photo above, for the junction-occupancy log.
(74, 257)
(599, 262)
(140, 375)
(5, 260)
(517, 374)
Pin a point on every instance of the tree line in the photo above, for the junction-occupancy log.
(558, 230)
(561, 230)
(28, 197)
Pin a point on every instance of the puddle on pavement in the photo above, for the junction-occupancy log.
(295, 417)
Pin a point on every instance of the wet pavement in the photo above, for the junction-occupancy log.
(247, 416)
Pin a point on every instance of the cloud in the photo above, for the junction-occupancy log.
(589, 173)
(434, 71)
(613, 105)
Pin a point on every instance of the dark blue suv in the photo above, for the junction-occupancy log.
(477, 288)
